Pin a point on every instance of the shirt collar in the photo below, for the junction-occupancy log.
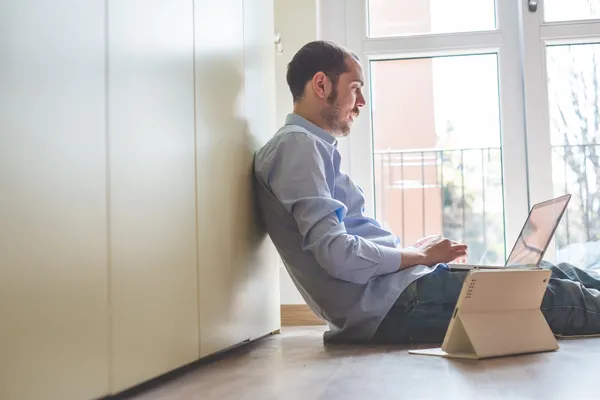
(295, 119)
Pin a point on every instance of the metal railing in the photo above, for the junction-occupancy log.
(576, 170)
(468, 182)
(406, 170)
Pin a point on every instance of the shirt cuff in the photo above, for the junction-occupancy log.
(391, 259)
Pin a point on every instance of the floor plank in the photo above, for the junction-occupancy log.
(296, 365)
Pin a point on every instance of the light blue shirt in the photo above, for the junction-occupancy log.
(344, 264)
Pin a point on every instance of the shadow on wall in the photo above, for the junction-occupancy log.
(231, 234)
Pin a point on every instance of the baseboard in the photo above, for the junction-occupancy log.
(299, 315)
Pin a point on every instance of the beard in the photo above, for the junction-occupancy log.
(331, 115)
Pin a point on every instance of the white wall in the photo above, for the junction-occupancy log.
(296, 22)
(128, 242)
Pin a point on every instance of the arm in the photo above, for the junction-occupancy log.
(301, 176)
(412, 257)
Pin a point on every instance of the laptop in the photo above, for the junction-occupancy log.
(536, 234)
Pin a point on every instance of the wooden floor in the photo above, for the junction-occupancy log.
(296, 365)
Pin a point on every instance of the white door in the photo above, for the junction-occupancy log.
(562, 90)
(153, 272)
(440, 145)
(53, 220)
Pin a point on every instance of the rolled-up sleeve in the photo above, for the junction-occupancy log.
(302, 177)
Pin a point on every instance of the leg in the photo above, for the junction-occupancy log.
(570, 272)
(422, 313)
(571, 304)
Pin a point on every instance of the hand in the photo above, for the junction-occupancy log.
(438, 249)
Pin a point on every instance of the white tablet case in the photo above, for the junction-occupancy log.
(498, 314)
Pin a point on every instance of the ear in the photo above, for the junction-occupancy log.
(321, 85)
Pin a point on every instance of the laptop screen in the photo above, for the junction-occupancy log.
(531, 245)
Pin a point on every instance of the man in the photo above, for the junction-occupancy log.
(349, 269)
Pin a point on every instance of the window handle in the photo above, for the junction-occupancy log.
(533, 5)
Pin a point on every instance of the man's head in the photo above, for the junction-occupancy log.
(326, 82)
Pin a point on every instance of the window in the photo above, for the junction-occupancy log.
(477, 109)
(394, 18)
(440, 170)
(572, 10)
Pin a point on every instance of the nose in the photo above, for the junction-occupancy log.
(360, 100)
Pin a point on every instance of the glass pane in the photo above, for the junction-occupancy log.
(574, 96)
(437, 157)
(406, 17)
(571, 10)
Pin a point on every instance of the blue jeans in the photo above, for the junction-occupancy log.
(571, 306)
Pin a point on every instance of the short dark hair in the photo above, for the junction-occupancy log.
(313, 57)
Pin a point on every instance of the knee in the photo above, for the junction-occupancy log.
(561, 270)
(564, 266)
(548, 265)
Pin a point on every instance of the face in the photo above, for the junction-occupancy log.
(344, 100)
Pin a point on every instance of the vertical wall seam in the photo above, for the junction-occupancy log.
(110, 310)
(199, 312)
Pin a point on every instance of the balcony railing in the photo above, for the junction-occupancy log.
(458, 192)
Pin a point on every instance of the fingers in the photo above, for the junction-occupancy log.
(458, 246)
(446, 249)
(459, 249)
(457, 254)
